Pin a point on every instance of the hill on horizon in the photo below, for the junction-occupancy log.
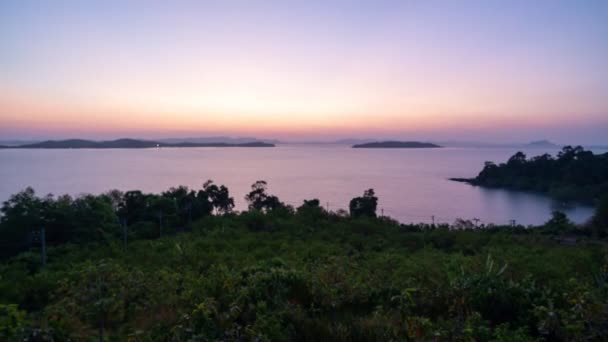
(131, 143)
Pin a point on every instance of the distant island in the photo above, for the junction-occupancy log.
(217, 139)
(576, 174)
(396, 144)
(541, 144)
(130, 143)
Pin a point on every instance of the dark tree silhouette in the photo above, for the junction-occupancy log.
(575, 174)
(259, 200)
(364, 206)
(183, 199)
(600, 219)
(133, 206)
(219, 197)
(311, 210)
(559, 223)
(86, 218)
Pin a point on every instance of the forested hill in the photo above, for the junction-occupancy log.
(575, 174)
(131, 143)
(396, 144)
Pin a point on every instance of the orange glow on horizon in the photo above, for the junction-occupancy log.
(311, 69)
(249, 118)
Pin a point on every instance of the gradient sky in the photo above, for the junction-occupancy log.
(296, 70)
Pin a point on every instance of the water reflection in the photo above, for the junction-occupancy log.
(412, 185)
(529, 208)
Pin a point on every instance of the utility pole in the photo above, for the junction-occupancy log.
(512, 223)
(433, 219)
(381, 212)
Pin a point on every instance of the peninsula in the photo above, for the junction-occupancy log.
(575, 174)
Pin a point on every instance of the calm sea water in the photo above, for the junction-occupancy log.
(412, 184)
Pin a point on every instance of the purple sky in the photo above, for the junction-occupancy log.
(456, 70)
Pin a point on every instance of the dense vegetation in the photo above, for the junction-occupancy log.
(191, 269)
(576, 174)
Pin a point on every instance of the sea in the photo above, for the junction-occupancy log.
(412, 185)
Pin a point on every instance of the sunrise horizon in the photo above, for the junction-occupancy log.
(485, 71)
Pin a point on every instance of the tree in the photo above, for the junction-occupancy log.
(259, 200)
(183, 199)
(92, 218)
(568, 153)
(309, 207)
(311, 210)
(517, 159)
(600, 219)
(162, 207)
(133, 207)
(202, 206)
(364, 206)
(257, 196)
(116, 198)
(559, 222)
(20, 215)
(59, 219)
(219, 196)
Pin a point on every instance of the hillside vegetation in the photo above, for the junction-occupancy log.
(188, 268)
(575, 174)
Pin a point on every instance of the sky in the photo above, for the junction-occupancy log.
(488, 70)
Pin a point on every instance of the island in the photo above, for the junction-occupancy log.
(396, 144)
(574, 175)
(129, 143)
(541, 144)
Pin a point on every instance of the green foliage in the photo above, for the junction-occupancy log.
(575, 174)
(87, 218)
(12, 322)
(90, 218)
(559, 223)
(311, 212)
(275, 274)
